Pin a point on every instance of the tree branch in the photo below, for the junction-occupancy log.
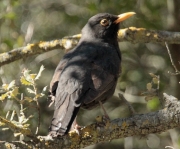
(17, 128)
(131, 34)
(138, 124)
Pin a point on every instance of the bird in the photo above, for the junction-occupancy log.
(86, 75)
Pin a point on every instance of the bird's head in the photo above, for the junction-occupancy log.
(104, 26)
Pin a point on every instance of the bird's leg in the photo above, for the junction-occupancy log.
(131, 109)
(75, 127)
(103, 120)
(51, 99)
(105, 113)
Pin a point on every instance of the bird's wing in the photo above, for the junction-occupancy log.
(103, 86)
(69, 94)
(55, 80)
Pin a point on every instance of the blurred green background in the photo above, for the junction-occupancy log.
(23, 22)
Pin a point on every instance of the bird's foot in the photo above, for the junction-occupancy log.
(51, 100)
(102, 121)
(56, 133)
(77, 128)
(46, 138)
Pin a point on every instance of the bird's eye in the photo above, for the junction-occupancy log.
(104, 22)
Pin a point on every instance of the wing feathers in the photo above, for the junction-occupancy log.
(63, 117)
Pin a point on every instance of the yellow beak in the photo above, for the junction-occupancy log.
(123, 17)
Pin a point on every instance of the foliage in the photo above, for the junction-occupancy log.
(19, 123)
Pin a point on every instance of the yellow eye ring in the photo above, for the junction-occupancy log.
(104, 22)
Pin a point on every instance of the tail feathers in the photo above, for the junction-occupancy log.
(63, 117)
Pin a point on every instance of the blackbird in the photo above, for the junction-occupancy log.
(87, 74)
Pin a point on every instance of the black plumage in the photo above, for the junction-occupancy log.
(88, 73)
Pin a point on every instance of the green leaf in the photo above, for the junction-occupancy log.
(24, 81)
(33, 76)
(155, 80)
(39, 73)
(4, 129)
(30, 91)
(29, 99)
(17, 134)
(149, 86)
(26, 72)
(44, 89)
(154, 103)
(15, 92)
(2, 124)
(3, 96)
(38, 95)
(10, 15)
(27, 76)
(42, 94)
(11, 85)
(26, 125)
(5, 86)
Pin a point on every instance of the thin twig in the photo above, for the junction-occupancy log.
(158, 94)
(131, 109)
(172, 62)
(38, 108)
(39, 117)
(170, 147)
(21, 137)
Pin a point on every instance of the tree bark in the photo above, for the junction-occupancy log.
(131, 34)
(103, 131)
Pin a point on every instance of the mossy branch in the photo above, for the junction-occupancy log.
(131, 34)
(138, 124)
(15, 127)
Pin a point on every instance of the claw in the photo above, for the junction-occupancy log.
(52, 100)
(102, 121)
